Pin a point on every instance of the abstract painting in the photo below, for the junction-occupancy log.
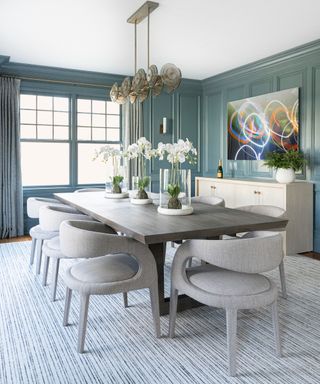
(263, 124)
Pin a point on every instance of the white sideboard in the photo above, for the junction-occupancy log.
(296, 198)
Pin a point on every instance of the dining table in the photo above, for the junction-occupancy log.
(146, 225)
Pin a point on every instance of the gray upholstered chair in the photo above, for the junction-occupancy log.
(231, 281)
(38, 234)
(50, 218)
(116, 264)
(89, 190)
(267, 210)
(211, 200)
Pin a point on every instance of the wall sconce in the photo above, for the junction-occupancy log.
(164, 126)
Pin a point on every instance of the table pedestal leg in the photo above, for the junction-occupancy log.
(184, 302)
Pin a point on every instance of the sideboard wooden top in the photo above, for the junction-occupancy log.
(262, 182)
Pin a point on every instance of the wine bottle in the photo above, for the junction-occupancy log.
(220, 170)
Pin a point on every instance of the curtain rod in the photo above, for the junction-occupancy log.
(58, 81)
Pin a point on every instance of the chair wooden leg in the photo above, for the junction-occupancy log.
(33, 250)
(283, 280)
(231, 316)
(84, 306)
(154, 298)
(45, 270)
(39, 255)
(276, 330)
(173, 311)
(125, 299)
(67, 306)
(55, 274)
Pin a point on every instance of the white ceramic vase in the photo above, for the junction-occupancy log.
(285, 176)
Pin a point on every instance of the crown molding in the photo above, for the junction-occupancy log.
(287, 55)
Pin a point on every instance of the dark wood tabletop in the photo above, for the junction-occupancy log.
(145, 224)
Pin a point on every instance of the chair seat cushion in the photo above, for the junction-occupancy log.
(37, 232)
(227, 283)
(51, 248)
(105, 269)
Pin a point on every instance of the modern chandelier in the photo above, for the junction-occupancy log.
(144, 84)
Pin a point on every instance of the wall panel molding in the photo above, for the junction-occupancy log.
(299, 67)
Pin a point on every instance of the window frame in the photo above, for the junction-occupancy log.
(73, 139)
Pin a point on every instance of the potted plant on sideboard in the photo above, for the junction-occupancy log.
(285, 164)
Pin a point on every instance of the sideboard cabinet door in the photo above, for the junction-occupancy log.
(295, 198)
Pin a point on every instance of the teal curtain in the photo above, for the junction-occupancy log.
(11, 206)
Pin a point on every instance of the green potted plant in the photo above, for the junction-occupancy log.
(285, 164)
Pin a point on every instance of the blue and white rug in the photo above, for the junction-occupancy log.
(121, 348)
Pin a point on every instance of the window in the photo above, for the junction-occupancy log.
(44, 136)
(55, 149)
(98, 122)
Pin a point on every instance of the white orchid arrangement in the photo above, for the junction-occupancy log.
(178, 153)
(141, 150)
(106, 153)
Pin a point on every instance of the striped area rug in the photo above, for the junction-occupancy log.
(35, 348)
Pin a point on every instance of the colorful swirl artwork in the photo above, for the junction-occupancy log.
(263, 124)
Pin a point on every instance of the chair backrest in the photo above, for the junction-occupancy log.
(34, 204)
(267, 210)
(211, 200)
(253, 255)
(80, 239)
(89, 190)
(51, 216)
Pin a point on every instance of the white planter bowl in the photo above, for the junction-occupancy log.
(285, 176)
(185, 210)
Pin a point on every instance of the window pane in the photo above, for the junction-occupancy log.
(84, 119)
(61, 118)
(99, 134)
(84, 105)
(45, 102)
(28, 101)
(89, 171)
(27, 117)
(113, 108)
(98, 120)
(113, 121)
(84, 133)
(45, 163)
(61, 104)
(98, 106)
(113, 134)
(28, 132)
(61, 133)
(45, 132)
(44, 117)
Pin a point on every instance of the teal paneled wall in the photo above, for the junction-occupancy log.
(183, 111)
(299, 67)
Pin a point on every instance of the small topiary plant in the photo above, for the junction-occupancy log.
(290, 159)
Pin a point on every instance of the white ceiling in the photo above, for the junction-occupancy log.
(202, 38)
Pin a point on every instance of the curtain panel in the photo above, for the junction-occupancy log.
(11, 203)
(133, 130)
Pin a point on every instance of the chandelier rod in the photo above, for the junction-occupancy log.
(148, 40)
(135, 46)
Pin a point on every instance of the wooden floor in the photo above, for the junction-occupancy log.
(15, 239)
